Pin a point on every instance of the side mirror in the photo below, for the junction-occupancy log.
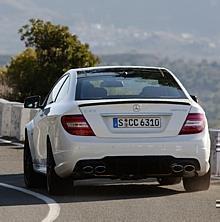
(195, 98)
(32, 102)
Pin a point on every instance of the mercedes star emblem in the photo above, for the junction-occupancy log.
(136, 108)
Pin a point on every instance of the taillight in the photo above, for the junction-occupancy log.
(76, 125)
(195, 123)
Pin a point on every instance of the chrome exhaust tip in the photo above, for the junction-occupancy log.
(189, 171)
(189, 168)
(177, 168)
(88, 169)
(100, 169)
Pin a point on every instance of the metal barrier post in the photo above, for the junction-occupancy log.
(218, 154)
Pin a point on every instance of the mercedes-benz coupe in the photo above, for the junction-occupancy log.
(122, 122)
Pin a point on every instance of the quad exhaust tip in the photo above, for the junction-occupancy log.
(189, 171)
(177, 168)
(94, 170)
(100, 169)
(88, 169)
(189, 168)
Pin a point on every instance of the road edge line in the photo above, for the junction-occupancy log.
(12, 143)
(54, 208)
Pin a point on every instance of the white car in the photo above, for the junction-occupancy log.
(120, 122)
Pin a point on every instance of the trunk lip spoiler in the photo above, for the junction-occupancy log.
(134, 102)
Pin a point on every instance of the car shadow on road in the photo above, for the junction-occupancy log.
(121, 190)
(86, 191)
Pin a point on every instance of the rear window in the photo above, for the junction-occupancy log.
(126, 83)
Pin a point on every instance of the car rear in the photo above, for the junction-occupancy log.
(132, 123)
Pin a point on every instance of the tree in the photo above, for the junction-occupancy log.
(4, 89)
(51, 51)
(22, 74)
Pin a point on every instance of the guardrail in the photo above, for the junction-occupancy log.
(13, 117)
(215, 151)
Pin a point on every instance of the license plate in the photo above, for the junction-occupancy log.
(137, 122)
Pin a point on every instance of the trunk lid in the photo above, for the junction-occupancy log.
(132, 118)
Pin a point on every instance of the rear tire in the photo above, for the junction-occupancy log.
(197, 183)
(32, 179)
(168, 180)
(55, 184)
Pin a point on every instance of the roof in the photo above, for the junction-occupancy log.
(114, 67)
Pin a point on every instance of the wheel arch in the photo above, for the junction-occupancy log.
(48, 141)
(50, 145)
(29, 138)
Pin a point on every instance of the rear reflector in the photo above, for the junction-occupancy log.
(76, 125)
(195, 123)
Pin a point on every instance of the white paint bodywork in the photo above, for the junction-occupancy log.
(69, 149)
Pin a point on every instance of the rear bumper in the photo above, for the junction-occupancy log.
(132, 167)
(71, 151)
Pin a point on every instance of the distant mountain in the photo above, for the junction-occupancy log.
(111, 40)
(170, 28)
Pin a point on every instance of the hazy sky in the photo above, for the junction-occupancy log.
(199, 17)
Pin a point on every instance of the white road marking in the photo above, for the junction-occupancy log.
(10, 142)
(54, 208)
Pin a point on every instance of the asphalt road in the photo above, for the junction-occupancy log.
(103, 200)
